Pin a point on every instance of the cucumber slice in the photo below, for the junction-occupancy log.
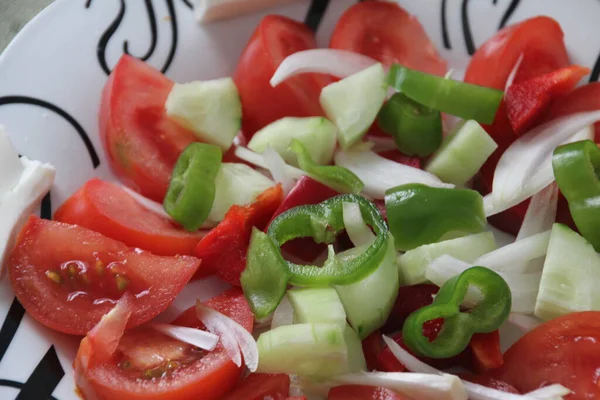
(413, 263)
(317, 350)
(462, 153)
(236, 184)
(570, 276)
(369, 301)
(316, 305)
(317, 134)
(356, 356)
(211, 109)
(354, 102)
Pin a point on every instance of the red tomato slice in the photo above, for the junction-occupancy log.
(362, 392)
(565, 350)
(141, 142)
(261, 387)
(527, 100)
(223, 250)
(67, 277)
(145, 364)
(108, 209)
(275, 38)
(584, 98)
(490, 382)
(389, 34)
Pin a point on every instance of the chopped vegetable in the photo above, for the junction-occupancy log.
(277, 168)
(419, 214)
(196, 337)
(317, 134)
(462, 153)
(416, 129)
(338, 178)
(192, 189)
(352, 114)
(453, 97)
(316, 305)
(575, 167)
(486, 316)
(359, 233)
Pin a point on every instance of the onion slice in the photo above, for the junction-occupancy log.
(234, 337)
(339, 63)
(511, 258)
(278, 169)
(283, 314)
(151, 205)
(513, 73)
(360, 234)
(380, 174)
(196, 337)
(258, 160)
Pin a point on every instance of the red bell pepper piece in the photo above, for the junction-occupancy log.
(223, 250)
(490, 382)
(306, 191)
(410, 299)
(526, 101)
(487, 353)
(261, 386)
(372, 346)
(362, 392)
(296, 398)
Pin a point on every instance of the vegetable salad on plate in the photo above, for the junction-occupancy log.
(346, 196)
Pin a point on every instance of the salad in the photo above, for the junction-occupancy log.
(345, 197)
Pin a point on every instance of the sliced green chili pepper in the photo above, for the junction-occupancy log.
(266, 275)
(486, 316)
(446, 95)
(417, 129)
(419, 214)
(338, 178)
(192, 189)
(576, 167)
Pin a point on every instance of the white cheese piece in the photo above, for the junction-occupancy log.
(10, 166)
(19, 202)
(212, 10)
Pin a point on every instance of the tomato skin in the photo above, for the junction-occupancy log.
(261, 386)
(275, 38)
(211, 377)
(108, 209)
(487, 353)
(142, 144)
(77, 303)
(362, 392)
(389, 34)
(584, 98)
(488, 381)
(565, 350)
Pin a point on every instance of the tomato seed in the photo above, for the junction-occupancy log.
(99, 267)
(122, 282)
(54, 277)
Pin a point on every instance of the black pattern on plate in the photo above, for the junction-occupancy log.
(154, 31)
(466, 27)
(508, 13)
(10, 325)
(596, 70)
(44, 378)
(315, 14)
(445, 36)
(8, 100)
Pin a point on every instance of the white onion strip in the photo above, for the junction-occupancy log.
(513, 73)
(151, 205)
(233, 336)
(541, 213)
(196, 337)
(283, 314)
(258, 160)
(475, 391)
(339, 63)
(277, 167)
(360, 234)
(510, 258)
(380, 174)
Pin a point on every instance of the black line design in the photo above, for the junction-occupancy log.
(114, 25)
(315, 14)
(508, 13)
(494, 2)
(7, 100)
(44, 378)
(18, 385)
(467, 28)
(46, 209)
(10, 326)
(595, 71)
(188, 4)
(445, 36)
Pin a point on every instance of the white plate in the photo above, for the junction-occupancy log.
(52, 74)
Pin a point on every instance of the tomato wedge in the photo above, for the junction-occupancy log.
(108, 209)
(275, 38)
(67, 277)
(565, 350)
(388, 33)
(487, 381)
(362, 392)
(145, 364)
(141, 142)
(262, 386)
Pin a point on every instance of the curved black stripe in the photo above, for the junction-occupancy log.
(174, 36)
(153, 32)
(46, 209)
(18, 385)
(445, 36)
(508, 13)
(6, 100)
(188, 4)
(596, 70)
(105, 38)
(315, 14)
(466, 28)
(10, 326)
(494, 2)
(44, 378)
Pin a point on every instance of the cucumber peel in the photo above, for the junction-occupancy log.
(316, 305)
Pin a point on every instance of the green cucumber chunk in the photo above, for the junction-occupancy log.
(369, 301)
(236, 184)
(353, 103)
(317, 134)
(462, 153)
(570, 276)
(316, 305)
(318, 350)
(413, 263)
(211, 109)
